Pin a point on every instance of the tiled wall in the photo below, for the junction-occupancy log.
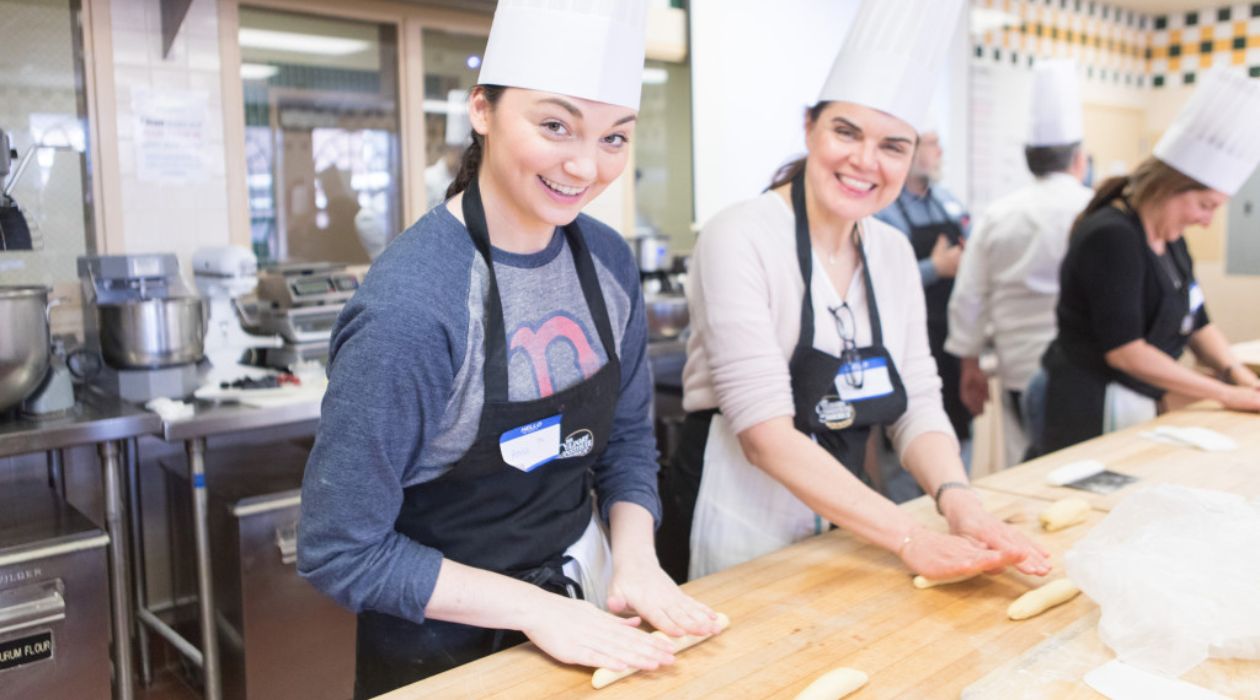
(1186, 43)
(1109, 43)
(161, 216)
(1122, 47)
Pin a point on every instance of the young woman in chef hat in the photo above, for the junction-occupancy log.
(808, 329)
(1129, 304)
(486, 421)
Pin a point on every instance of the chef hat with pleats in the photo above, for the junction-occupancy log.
(589, 49)
(1056, 118)
(892, 56)
(458, 125)
(1215, 138)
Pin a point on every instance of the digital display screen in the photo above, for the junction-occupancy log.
(309, 286)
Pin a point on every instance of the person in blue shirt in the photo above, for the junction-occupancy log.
(485, 468)
(937, 224)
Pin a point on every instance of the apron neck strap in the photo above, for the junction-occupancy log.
(495, 370)
(805, 258)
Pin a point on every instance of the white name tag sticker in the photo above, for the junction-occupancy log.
(872, 373)
(531, 446)
(1196, 298)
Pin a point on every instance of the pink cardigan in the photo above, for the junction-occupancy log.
(744, 291)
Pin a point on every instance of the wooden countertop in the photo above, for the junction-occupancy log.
(836, 601)
(1126, 452)
(1249, 354)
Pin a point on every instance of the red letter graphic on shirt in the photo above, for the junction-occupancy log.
(535, 344)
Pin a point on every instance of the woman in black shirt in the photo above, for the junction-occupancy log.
(1129, 305)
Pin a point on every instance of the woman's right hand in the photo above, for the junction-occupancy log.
(939, 556)
(576, 632)
(1241, 398)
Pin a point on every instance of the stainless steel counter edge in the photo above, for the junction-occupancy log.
(95, 419)
(211, 419)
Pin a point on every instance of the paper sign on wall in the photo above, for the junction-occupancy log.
(170, 134)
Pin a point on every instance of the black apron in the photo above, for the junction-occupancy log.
(1076, 391)
(936, 295)
(840, 427)
(486, 513)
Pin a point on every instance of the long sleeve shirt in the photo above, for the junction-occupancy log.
(745, 291)
(405, 394)
(936, 206)
(1008, 281)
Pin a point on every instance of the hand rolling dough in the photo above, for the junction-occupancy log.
(924, 582)
(1064, 513)
(1039, 600)
(834, 684)
(604, 677)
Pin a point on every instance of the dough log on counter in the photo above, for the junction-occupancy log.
(834, 684)
(1039, 600)
(606, 676)
(1064, 513)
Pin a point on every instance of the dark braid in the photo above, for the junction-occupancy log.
(470, 164)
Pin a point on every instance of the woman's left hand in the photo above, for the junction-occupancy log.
(647, 590)
(968, 518)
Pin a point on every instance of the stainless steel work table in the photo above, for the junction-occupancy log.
(105, 422)
(210, 420)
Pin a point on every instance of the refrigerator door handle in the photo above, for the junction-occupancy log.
(30, 605)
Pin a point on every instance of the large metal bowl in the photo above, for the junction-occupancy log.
(23, 342)
(667, 315)
(152, 333)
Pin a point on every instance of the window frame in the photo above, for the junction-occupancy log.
(409, 21)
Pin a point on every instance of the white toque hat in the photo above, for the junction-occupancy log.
(891, 57)
(1214, 138)
(589, 49)
(458, 125)
(1056, 105)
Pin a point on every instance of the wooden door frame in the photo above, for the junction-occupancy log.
(410, 22)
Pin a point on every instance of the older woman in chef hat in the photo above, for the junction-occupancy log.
(1129, 303)
(486, 421)
(808, 330)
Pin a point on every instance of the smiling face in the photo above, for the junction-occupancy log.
(858, 159)
(548, 155)
(1191, 208)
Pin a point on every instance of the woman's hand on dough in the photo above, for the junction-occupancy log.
(576, 632)
(647, 590)
(968, 518)
(938, 556)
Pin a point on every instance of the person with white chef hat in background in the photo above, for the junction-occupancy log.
(1008, 282)
(487, 414)
(438, 177)
(1129, 303)
(808, 329)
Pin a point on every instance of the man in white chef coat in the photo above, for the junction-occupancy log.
(1008, 280)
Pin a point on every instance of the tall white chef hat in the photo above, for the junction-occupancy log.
(458, 125)
(1215, 139)
(892, 56)
(589, 49)
(1056, 105)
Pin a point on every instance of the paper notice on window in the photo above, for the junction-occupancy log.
(170, 135)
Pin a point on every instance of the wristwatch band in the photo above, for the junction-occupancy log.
(945, 487)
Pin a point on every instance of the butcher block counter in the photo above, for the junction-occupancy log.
(834, 600)
(1248, 353)
(1127, 452)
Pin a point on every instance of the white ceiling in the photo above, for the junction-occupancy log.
(1161, 7)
